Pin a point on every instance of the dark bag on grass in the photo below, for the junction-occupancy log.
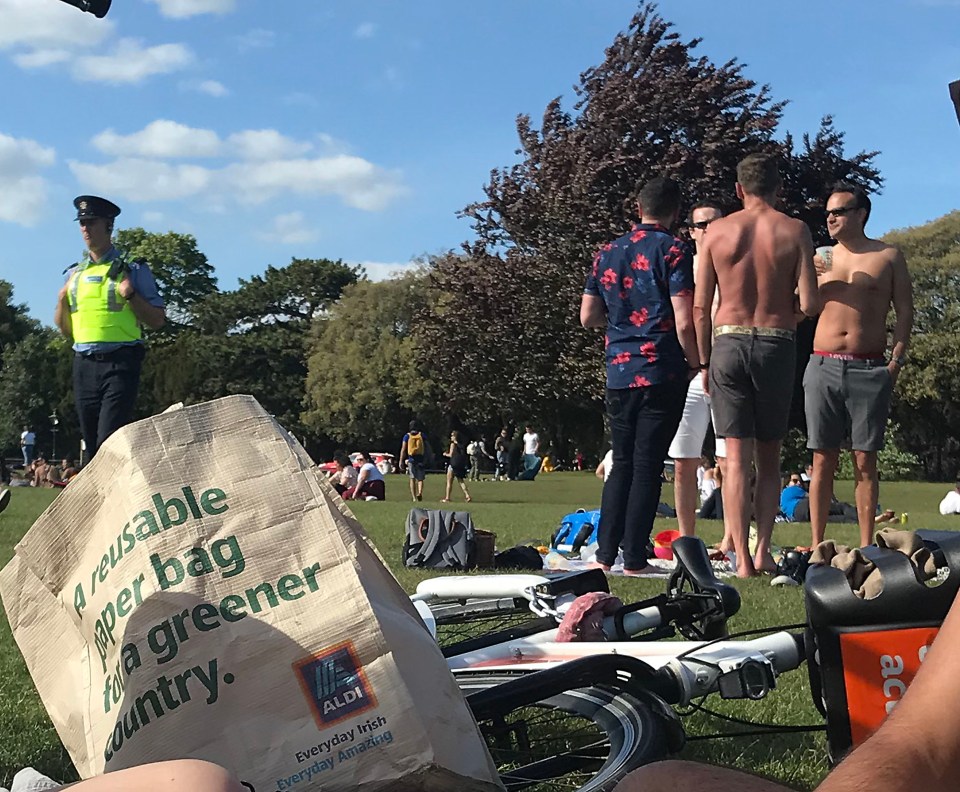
(438, 539)
(519, 557)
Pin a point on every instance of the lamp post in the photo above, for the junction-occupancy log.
(54, 423)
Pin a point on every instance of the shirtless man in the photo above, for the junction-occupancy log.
(762, 263)
(848, 381)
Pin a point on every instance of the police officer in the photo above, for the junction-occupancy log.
(102, 306)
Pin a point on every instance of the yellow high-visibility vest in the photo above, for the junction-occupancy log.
(97, 311)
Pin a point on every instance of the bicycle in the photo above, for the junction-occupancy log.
(629, 690)
(582, 715)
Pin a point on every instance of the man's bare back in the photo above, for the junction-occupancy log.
(856, 292)
(758, 256)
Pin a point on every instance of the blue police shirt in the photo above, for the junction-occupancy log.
(144, 284)
(636, 275)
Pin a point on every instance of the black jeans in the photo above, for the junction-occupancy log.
(105, 388)
(643, 421)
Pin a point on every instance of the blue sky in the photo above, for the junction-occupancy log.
(324, 128)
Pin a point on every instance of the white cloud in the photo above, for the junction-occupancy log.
(143, 180)
(25, 191)
(365, 30)
(182, 9)
(212, 88)
(356, 181)
(45, 25)
(266, 144)
(382, 270)
(290, 229)
(160, 139)
(39, 58)
(131, 62)
(258, 38)
(256, 166)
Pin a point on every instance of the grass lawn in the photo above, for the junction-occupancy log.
(517, 512)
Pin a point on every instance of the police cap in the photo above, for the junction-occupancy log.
(90, 206)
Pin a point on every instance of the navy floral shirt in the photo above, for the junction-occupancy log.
(636, 275)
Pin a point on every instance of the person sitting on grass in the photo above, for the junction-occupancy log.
(370, 482)
(345, 476)
(951, 501)
(456, 468)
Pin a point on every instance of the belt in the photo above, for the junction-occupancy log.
(746, 330)
(101, 356)
(850, 356)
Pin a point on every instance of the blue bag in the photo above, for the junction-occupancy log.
(576, 530)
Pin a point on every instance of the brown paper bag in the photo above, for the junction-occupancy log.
(198, 591)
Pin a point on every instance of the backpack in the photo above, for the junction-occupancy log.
(415, 444)
(437, 539)
(576, 530)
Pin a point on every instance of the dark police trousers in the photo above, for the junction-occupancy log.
(105, 387)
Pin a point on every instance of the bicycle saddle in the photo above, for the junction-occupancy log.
(693, 567)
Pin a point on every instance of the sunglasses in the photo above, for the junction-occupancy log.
(701, 225)
(840, 211)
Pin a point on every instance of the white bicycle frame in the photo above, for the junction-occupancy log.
(697, 666)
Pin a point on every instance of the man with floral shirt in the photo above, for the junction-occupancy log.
(640, 289)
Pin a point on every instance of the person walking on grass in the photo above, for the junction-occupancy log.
(456, 467)
(413, 453)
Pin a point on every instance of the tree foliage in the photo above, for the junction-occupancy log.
(183, 273)
(504, 328)
(928, 390)
(364, 382)
(15, 324)
(35, 383)
(291, 296)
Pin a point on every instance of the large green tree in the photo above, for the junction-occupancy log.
(249, 340)
(34, 387)
(505, 327)
(183, 273)
(928, 390)
(364, 382)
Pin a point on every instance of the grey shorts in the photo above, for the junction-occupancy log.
(415, 468)
(751, 385)
(847, 403)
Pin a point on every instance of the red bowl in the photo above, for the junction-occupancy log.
(662, 544)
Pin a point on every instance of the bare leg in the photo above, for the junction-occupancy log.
(463, 486)
(726, 544)
(766, 500)
(821, 491)
(685, 494)
(413, 488)
(737, 501)
(174, 776)
(446, 496)
(419, 492)
(866, 493)
(677, 776)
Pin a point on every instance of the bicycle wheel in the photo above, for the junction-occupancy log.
(460, 620)
(584, 740)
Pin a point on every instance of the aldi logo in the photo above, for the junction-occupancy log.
(334, 684)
